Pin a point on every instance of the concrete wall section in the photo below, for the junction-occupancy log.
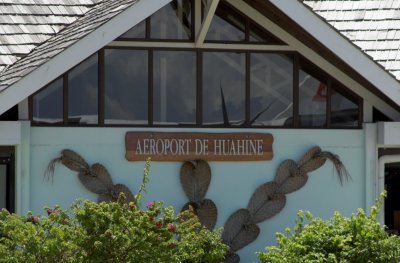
(232, 182)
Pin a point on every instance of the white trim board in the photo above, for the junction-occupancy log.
(76, 53)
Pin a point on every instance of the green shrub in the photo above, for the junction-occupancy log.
(357, 239)
(109, 232)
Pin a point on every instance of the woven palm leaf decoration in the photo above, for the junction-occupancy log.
(269, 199)
(94, 178)
(195, 179)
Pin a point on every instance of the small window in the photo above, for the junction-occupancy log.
(224, 82)
(173, 21)
(126, 77)
(136, 32)
(271, 89)
(226, 25)
(48, 103)
(312, 100)
(344, 109)
(83, 92)
(174, 100)
(261, 36)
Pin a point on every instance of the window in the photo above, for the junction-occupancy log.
(344, 108)
(173, 22)
(160, 77)
(48, 103)
(83, 92)
(271, 89)
(312, 100)
(174, 81)
(126, 82)
(224, 76)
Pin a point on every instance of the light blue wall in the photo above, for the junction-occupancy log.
(232, 183)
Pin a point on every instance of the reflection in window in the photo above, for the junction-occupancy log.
(226, 25)
(138, 31)
(82, 92)
(173, 21)
(224, 88)
(125, 86)
(312, 101)
(344, 112)
(271, 89)
(260, 35)
(174, 87)
(48, 103)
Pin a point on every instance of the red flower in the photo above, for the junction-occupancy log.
(150, 204)
(49, 211)
(171, 227)
(159, 225)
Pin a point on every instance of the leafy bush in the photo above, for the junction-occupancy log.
(108, 232)
(357, 239)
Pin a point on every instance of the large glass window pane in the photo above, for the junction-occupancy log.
(48, 103)
(83, 92)
(312, 100)
(138, 31)
(173, 21)
(224, 75)
(126, 77)
(271, 89)
(344, 111)
(174, 87)
(226, 25)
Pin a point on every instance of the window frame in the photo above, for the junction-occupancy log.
(298, 61)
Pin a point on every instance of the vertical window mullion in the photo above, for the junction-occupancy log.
(247, 93)
(30, 107)
(147, 36)
(150, 85)
(360, 112)
(101, 91)
(296, 97)
(65, 98)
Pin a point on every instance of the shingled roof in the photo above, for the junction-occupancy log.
(83, 18)
(374, 26)
(25, 24)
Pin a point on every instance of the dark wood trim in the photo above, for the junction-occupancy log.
(360, 112)
(30, 108)
(101, 90)
(65, 98)
(148, 25)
